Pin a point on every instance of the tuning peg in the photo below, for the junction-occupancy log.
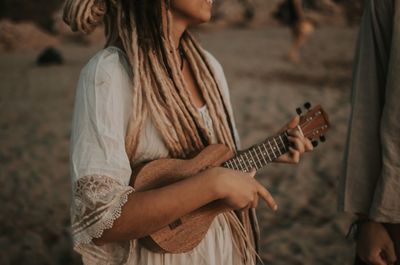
(314, 143)
(307, 105)
(322, 138)
(298, 111)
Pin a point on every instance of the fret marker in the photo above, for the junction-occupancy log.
(252, 158)
(272, 149)
(248, 160)
(244, 162)
(265, 148)
(263, 155)
(279, 151)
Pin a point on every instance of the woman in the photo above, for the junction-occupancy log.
(247, 8)
(153, 92)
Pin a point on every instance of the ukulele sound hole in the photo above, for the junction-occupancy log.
(175, 224)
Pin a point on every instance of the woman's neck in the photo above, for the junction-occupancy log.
(177, 31)
(178, 25)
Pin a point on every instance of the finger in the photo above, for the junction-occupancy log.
(294, 154)
(297, 144)
(254, 204)
(253, 172)
(295, 133)
(308, 145)
(266, 196)
(390, 254)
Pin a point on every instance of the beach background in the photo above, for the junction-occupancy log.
(36, 109)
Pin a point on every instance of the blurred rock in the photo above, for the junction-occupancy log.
(23, 36)
(39, 11)
(50, 56)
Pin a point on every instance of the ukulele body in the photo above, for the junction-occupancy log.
(187, 232)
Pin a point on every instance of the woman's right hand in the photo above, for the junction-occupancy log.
(240, 190)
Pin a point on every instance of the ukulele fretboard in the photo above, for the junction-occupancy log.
(260, 155)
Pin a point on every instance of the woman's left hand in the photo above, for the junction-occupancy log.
(300, 144)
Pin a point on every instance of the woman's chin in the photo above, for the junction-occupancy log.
(202, 19)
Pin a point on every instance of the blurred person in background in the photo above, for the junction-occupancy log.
(370, 185)
(153, 92)
(247, 6)
(291, 13)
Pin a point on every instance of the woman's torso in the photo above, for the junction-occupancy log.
(217, 246)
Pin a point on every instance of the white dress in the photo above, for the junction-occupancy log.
(101, 170)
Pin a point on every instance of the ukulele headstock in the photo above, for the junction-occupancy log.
(314, 123)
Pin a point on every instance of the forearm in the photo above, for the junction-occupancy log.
(147, 212)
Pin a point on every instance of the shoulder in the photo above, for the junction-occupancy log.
(213, 62)
(104, 90)
(218, 72)
(106, 73)
(105, 65)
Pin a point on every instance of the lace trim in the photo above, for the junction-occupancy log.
(109, 254)
(97, 203)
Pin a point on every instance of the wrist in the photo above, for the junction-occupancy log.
(216, 179)
(358, 224)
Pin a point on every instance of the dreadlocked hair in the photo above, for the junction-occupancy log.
(158, 85)
(159, 89)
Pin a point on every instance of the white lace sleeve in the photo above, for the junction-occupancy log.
(97, 203)
(100, 167)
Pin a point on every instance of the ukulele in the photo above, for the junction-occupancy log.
(186, 233)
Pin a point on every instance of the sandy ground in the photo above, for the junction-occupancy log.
(35, 111)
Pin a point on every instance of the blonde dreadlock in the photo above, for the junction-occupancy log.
(159, 89)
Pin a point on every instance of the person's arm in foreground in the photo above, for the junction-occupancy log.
(146, 212)
(374, 244)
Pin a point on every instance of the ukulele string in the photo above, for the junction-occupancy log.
(239, 162)
(258, 152)
(268, 151)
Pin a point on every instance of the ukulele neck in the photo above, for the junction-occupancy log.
(260, 155)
